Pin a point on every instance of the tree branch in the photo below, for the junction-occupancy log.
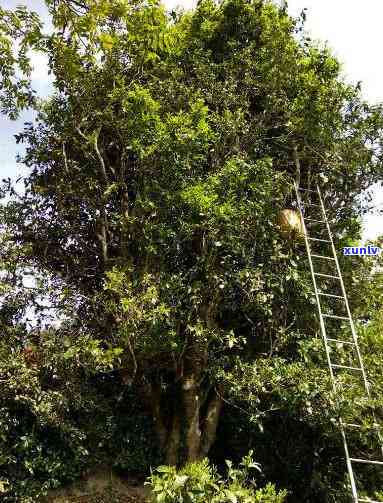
(132, 354)
(100, 158)
(95, 146)
(65, 158)
(102, 237)
(297, 166)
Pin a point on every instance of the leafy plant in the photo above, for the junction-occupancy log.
(200, 482)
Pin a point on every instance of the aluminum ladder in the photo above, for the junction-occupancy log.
(335, 368)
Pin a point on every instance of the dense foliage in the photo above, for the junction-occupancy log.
(156, 171)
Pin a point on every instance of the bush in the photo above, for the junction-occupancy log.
(56, 422)
(200, 482)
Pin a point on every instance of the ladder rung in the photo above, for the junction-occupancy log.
(351, 425)
(317, 239)
(308, 190)
(340, 341)
(326, 275)
(366, 461)
(322, 256)
(375, 426)
(345, 367)
(331, 295)
(314, 220)
(335, 317)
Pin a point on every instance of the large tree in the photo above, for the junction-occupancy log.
(157, 169)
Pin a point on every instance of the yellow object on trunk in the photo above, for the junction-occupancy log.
(290, 223)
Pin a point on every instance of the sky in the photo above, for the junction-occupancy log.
(351, 28)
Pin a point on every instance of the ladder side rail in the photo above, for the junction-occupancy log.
(324, 337)
(353, 331)
(350, 469)
(321, 320)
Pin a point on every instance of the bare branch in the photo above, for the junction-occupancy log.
(82, 134)
(95, 146)
(102, 237)
(102, 163)
(65, 158)
(297, 166)
(132, 354)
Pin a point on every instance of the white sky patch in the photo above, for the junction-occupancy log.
(186, 4)
(353, 30)
(41, 80)
(40, 67)
(373, 222)
(29, 280)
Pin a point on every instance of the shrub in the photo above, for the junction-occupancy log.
(200, 482)
(56, 422)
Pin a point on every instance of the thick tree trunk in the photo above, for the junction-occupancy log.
(211, 423)
(194, 363)
(187, 435)
(174, 440)
(191, 401)
(159, 424)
